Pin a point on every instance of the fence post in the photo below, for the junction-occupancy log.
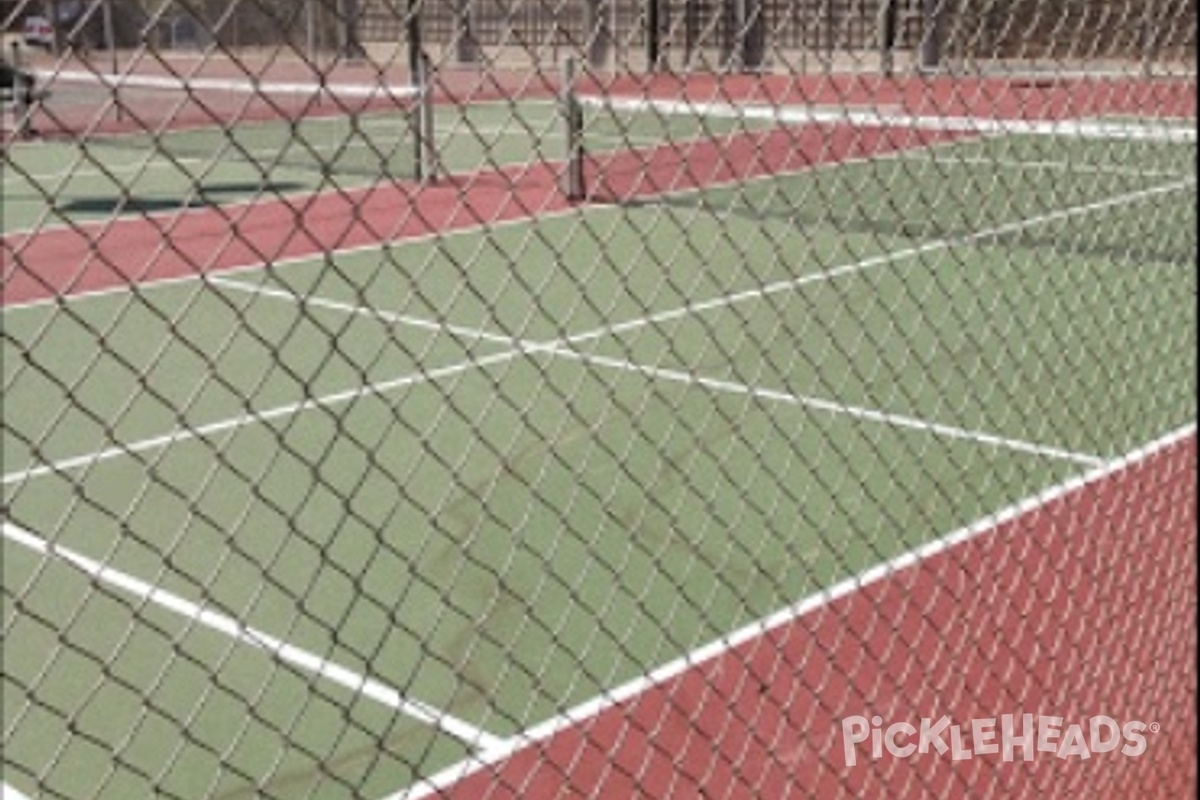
(572, 118)
(352, 47)
(752, 35)
(466, 47)
(888, 13)
(1149, 38)
(931, 34)
(597, 37)
(21, 102)
(653, 34)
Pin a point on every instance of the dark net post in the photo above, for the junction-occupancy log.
(653, 35)
(753, 34)
(21, 95)
(598, 30)
(420, 72)
(572, 119)
(412, 33)
(888, 13)
(466, 47)
(352, 47)
(931, 34)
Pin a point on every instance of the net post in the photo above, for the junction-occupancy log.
(933, 12)
(425, 152)
(1147, 37)
(351, 22)
(21, 96)
(420, 69)
(753, 35)
(310, 31)
(110, 41)
(888, 13)
(653, 36)
(572, 115)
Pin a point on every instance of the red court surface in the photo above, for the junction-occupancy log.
(1051, 608)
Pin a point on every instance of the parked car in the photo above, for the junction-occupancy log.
(38, 32)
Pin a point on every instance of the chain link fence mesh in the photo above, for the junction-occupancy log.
(593, 398)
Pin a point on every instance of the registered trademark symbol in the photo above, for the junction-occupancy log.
(1154, 727)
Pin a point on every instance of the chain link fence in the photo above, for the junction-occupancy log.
(690, 34)
(468, 399)
(804, 34)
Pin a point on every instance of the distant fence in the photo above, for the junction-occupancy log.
(749, 33)
(720, 34)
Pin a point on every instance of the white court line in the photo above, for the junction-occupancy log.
(245, 634)
(552, 135)
(250, 86)
(834, 407)
(876, 118)
(1082, 167)
(884, 258)
(422, 323)
(723, 301)
(676, 376)
(588, 710)
(181, 435)
(9, 793)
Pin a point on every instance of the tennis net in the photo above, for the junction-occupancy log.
(381, 129)
(637, 148)
(897, 172)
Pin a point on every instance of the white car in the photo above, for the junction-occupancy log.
(39, 32)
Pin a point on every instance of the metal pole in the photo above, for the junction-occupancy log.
(110, 38)
(412, 30)
(22, 102)
(466, 50)
(110, 41)
(427, 167)
(754, 32)
(830, 33)
(57, 26)
(736, 44)
(931, 35)
(694, 29)
(352, 47)
(616, 37)
(1149, 37)
(653, 44)
(572, 116)
(599, 36)
(420, 71)
(310, 31)
(887, 36)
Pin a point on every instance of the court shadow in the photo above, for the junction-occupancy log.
(209, 195)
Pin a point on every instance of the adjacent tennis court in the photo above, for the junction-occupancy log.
(339, 522)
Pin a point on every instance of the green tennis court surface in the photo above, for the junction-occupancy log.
(347, 479)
